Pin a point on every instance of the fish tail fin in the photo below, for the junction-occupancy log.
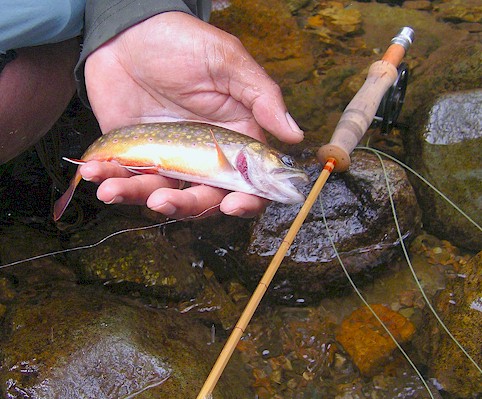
(62, 203)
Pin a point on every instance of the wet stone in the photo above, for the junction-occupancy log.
(418, 5)
(295, 5)
(459, 10)
(360, 220)
(19, 242)
(88, 343)
(333, 21)
(318, 79)
(149, 261)
(158, 265)
(449, 152)
(271, 35)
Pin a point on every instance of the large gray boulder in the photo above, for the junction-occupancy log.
(447, 151)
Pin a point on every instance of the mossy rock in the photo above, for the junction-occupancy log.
(74, 341)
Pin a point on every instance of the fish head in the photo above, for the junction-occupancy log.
(272, 173)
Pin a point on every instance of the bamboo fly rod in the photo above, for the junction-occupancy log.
(353, 124)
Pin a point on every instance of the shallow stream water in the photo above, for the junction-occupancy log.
(287, 351)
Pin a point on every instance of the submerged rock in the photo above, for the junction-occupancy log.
(148, 260)
(359, 218)
(333, 21)
(367, 342)
(460, 307)
(158, 265)
(271, 35)
(72, 341)
(19, 242)
(7, 291)
(459, 10)
(447, 151)
(295, 5)
(293, 353)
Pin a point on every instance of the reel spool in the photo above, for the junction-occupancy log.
(392, 102)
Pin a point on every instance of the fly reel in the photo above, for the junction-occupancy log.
(392, 102)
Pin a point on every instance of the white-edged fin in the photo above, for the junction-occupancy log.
(139, 170)
(74, 161)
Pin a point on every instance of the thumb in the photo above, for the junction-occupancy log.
(252, 86)
(270, 112)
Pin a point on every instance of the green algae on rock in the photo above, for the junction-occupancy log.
(460, 306)
(160, 268)
(92, 344)
(146, 259)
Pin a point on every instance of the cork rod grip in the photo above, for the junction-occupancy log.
(359, 113)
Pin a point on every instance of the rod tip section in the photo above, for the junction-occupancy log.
(341, 157)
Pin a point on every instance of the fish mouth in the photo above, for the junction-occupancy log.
(287, 185)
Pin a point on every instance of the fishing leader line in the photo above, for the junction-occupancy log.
(423, 179)
(405, 252)
(362, 298)
(378, 153)
(108, 237)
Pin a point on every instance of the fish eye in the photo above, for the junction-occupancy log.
(288, 161)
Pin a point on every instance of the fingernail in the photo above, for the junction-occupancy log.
(166, 208)
(236, 212)
(241, 213)
(294, 126)
(115, 200)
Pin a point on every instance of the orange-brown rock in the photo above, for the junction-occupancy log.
(367, 342)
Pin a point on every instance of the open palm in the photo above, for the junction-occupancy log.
(170, 67)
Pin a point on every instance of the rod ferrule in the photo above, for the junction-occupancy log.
(404, 37)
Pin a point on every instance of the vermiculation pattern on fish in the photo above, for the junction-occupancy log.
(198, 153)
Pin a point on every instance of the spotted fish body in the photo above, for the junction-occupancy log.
(198, 153)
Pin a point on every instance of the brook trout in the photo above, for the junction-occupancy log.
(198, 153)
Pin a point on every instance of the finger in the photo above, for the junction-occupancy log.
(251, 85)
(134, 190)
(97, 172)
(243, 205)
(192, 201)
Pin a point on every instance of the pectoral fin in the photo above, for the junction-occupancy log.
(223, 161)
(139, 170)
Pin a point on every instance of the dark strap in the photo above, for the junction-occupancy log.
(10, 55)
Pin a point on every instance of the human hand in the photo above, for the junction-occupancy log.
(173, 66)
